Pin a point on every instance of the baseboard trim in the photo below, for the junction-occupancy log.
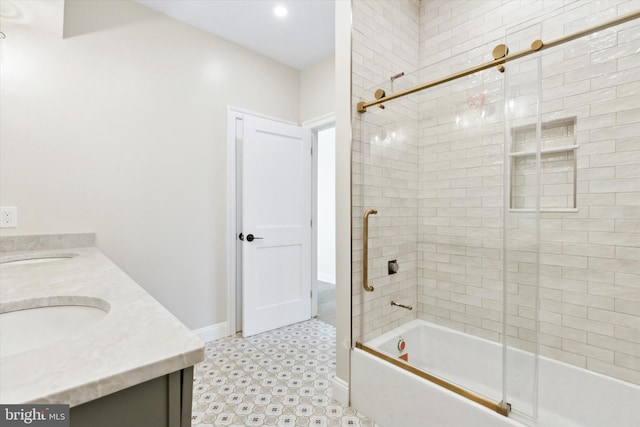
(212, 332)
(327, 278)
(341, 391)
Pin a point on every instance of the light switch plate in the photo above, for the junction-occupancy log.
(8, 217)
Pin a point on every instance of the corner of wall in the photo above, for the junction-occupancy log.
(340, 391)
(212, 332)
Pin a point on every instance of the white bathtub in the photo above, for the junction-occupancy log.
(567, 396)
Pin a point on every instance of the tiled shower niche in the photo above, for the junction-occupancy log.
(558, 169)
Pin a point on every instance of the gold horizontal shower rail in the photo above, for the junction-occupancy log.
(536, 46)
(502, 408)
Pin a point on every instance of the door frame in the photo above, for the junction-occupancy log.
(234, 300)
(316, 125)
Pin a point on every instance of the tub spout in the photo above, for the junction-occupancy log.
(408, 307)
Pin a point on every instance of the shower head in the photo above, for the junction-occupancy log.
(396, 76)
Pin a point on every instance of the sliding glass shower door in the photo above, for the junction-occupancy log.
(432, 167)
(495, 221)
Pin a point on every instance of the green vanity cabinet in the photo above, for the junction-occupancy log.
(161, 402)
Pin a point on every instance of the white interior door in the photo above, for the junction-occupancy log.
(276, 224)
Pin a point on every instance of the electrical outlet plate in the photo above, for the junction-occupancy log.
(8, 217)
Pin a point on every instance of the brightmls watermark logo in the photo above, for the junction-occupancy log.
(34, 415)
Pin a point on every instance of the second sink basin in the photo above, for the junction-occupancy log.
(35, 258)
(29, 328)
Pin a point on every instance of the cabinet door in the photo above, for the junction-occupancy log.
(161, 402)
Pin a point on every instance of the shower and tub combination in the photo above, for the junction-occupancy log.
(496, 233)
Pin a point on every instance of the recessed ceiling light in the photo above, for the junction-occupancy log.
(280, 11)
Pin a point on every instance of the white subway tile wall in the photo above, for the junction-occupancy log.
(433, 165)
(385, 164)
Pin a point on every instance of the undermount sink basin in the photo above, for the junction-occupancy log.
(35, 258)
(30, 328)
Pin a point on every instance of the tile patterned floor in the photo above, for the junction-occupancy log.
(279, 378)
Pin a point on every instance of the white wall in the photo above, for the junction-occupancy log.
(327, 205)
(343, 199)
(119, 129)
(317, 85)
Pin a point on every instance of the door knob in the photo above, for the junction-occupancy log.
(251, 238)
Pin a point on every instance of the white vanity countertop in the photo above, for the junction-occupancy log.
(136, 341)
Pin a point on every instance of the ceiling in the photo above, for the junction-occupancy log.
(300, 39)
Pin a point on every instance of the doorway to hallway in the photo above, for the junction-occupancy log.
(326, 227)
(310, 276)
